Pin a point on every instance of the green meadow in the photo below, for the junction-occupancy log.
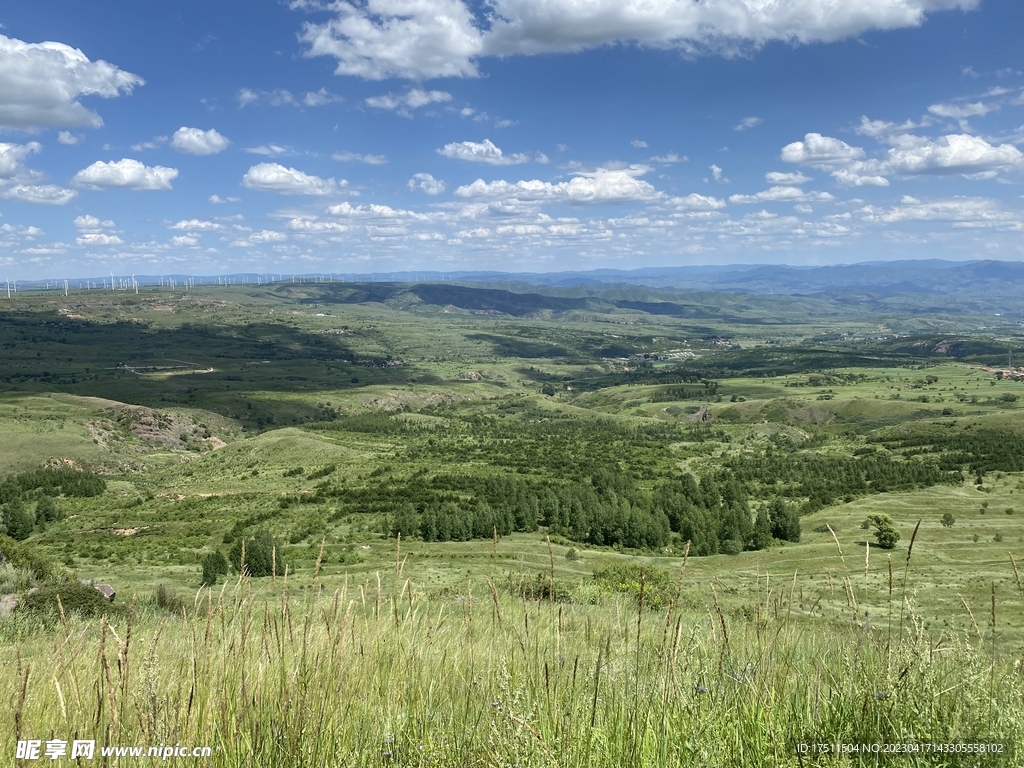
(462, 526)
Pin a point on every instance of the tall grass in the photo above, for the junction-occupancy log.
(365, 677)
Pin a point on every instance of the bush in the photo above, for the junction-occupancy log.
(18, 520)
(215, 568)
(659, 588)
(262, 555)
(81, 599)
(167, 599)
(948, 519)
(885, 531)
(23, 556)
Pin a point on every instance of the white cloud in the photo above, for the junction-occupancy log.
(247, 96)
(11, 156)
(716, 173)
(604, 185)
(196, 141)
(696, 202)
(273, 177)
(821, 151)
(127, 173)
(481, 152)
(964, 212)
(68, 138)
(860, 175)
(638, 144)
(40, 84)
(39, 194)
(98, 238)
(421, 39)
(259, 238)
(747, 123)
(414, 99)
(426, 183)
(373, 211)
(782, 195)
(158, 141)
(953, 154)
(268, 150)
(218, 200)
(959, 111)
(777, 177)
(320, 98)
(196, 225)
(355, 157)
(671, 157)
(186, 241)
(315, 226)
(89, 223)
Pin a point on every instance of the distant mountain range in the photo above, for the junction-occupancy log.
(975, 278)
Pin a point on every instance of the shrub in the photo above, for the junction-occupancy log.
(948, 519)
(24, 556)
(885, 531)
(572, 555)
(167, 599)
(82, 599)
(215, 568)
(659, 588)
(262, 555)
(18, 520)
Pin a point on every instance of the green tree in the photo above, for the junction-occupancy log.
(262, 554)
(948, 519)
(885, 531)
(762, 530)
(18, 520)
(46, 510)
(785, 520)
(215, 568)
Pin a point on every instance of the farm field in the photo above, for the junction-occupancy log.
(537, 528)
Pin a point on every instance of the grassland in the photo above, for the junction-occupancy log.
(317, 414)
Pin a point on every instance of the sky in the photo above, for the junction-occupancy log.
(357, 136)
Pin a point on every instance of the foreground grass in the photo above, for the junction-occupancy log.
(376, 676)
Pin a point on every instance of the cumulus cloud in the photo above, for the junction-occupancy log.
(196, 225)
(964, 212)
(196, 141)
(259, 238)
(39, 194)
(780, 194)
(373, 211)
(605, 185)
(185, 241)
(697, 202)
(482, 152)
(310, 225)
(414, 99)
(638, 143)
(98, 238)
(821, 151)
(12, 155)
(67, 138)
(747, 123)
(421, 39)
(953, 154)
(320, 98)
(41, 83)
(777, 177)
(89, 223)
(218, 200)
(273, 177)
(426, 183)
(127, 173)
(355, 157)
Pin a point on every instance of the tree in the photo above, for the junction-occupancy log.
(762, 530)
(46, 510)
(18, 520)
(785, 520)
(948, 519)
(215, 568)
(885, 531)
(262, 555)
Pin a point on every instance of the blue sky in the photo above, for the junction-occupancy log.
(385, 135)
